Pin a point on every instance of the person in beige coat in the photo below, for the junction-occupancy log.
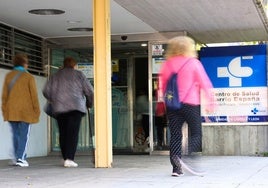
(20, 106)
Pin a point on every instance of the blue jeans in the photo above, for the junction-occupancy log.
(21, 132)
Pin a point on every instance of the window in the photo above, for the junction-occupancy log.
(13, 41)
(5, 45)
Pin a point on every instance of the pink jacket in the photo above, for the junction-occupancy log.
(191, 80)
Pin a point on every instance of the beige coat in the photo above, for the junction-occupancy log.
(22, 102)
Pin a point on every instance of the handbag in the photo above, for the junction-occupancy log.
(49, 110)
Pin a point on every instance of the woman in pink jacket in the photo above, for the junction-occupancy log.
(192, 78)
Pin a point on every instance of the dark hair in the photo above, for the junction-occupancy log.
(20, 60)
(69, 62)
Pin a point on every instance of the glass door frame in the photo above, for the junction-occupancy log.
(150, 86)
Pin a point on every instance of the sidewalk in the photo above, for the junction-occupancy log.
(139, 171)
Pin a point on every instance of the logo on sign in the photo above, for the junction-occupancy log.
(235, 72)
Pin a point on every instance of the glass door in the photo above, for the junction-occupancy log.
(121, 111)
(85, 142)
(122, 118)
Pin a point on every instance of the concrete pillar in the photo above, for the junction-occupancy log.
(102, 83)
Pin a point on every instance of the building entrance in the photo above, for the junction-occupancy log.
(122, 101)
(132, 131)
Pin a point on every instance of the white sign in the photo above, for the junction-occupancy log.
(157, 64)
(157, 50)
(238, 105)
(87, 69)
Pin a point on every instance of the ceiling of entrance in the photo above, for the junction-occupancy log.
(207, 21)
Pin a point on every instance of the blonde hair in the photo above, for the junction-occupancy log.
(181, 45)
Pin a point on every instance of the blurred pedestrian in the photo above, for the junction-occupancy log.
(160, 123)
(160, 117)
(20, 106)
(181, 57)
(70, 94)
(142, 110)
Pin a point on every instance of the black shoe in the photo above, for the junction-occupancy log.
(177, 172)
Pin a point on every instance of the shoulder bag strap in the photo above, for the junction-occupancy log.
(188, 60)
(13, 81)
(184, 64)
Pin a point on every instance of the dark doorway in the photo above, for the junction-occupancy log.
(141, 74)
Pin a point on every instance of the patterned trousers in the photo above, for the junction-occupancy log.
(191, 115)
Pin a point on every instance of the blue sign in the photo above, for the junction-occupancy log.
(235, 66)
(238, 74)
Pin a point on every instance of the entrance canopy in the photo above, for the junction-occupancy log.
(207, 21)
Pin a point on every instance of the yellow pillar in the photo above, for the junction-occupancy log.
(102, 83)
